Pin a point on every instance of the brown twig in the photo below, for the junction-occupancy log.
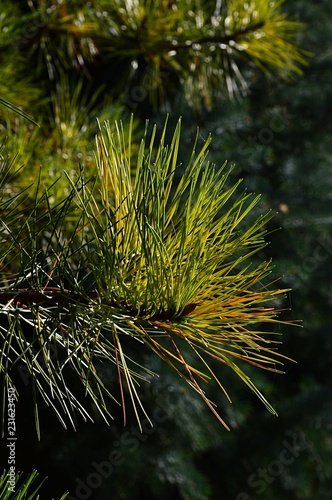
(51, 296)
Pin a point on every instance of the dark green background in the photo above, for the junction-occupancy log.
(280, 139)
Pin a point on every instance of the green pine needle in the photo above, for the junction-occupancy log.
(136, 256)
(21, 490)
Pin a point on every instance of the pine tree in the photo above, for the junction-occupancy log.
(120, 254)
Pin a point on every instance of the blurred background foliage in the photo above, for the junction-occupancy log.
(67, 63)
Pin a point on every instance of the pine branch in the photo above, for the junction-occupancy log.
(141, 259)
(18, 489)
(51, 296)
(218, 39)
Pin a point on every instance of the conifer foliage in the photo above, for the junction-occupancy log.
(109, 245)
(142, 258)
